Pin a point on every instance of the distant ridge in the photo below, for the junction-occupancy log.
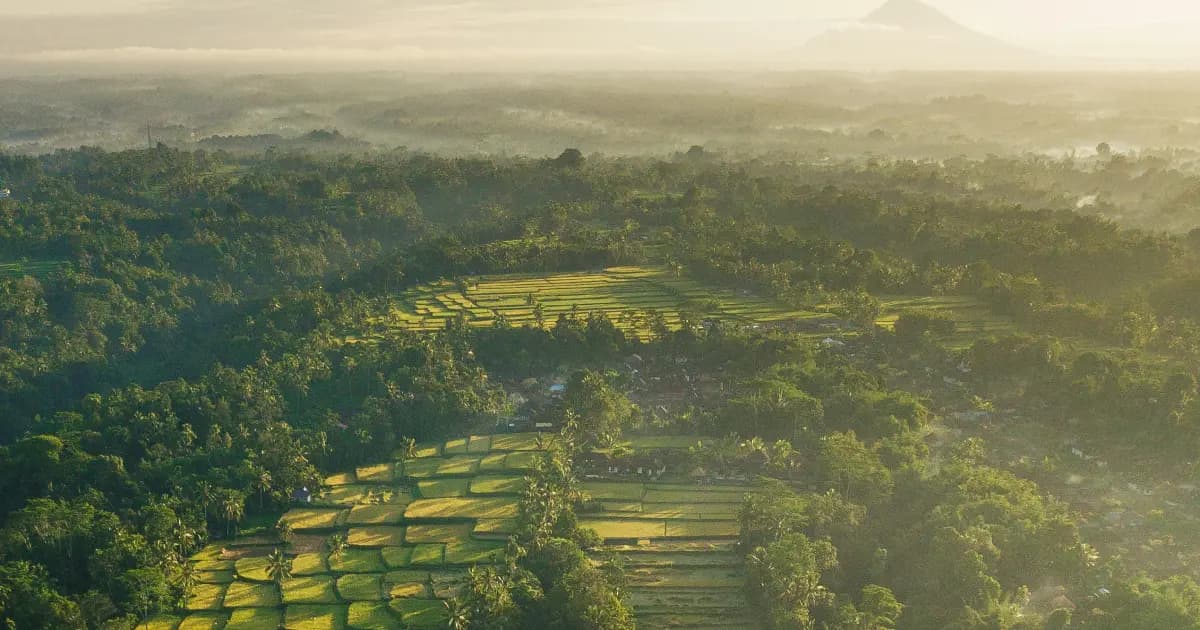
(912, 35)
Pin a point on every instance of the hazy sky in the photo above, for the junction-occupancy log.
(544, 34)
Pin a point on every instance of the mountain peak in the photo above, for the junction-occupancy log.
(914, 16)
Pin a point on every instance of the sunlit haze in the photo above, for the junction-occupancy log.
(545, 35)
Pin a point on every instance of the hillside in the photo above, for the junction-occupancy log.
(413, 527)
(911, 35)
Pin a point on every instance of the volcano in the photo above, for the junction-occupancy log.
(911, 35)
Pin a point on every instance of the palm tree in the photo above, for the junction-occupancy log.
(234, 508)
(458, 617)
(286, 531)
(204, 492)
(262, 483)
(187, 578)
(337, 546)
(279, 567)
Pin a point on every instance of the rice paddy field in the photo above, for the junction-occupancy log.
(972, 318)
(415, 527)
(624, 294)
(37, 269)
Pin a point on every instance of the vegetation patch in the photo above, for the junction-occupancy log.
(465, 507)
(215, 577)
(387, 514)
(396, 557)
(420, 613)
(418, 533)
(469, 552)
(359, 587)
(309, 519)
(497, 485)
(313, 563)
(372, 616)
(206, 597)
(421, 468)
(357, 561)
(377, 536)
(309, 589)
(701, 529)
(251, 595)
(161, 622)
(315, 617)
(253, 569)
(443, 487)
(204, 621)
(341, 479)
(255, 619)
(459, 465)
(428, 555)
(624, 528)
(600, 490)
(515, 442)
(379, 473)
(494, 527)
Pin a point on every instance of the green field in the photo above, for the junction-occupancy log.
(36, 269)
(973, 320)
(624, 294)
(413, 528)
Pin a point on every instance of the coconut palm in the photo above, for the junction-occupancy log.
(234, 508)
(263, 483)
(337, 546)
(279, 567)
(458, 617)
(186, 580)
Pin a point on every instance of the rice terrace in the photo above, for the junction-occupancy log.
(409, 530)
(626, 295)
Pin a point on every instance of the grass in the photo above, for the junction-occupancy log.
(206, 597)
(428, 555)
(314, 563)
(39, 269)
(693, 497)
(469, 552)
(624, 528)
(215, 577)
(461, 465)
(253, 569)
(701, 529)
(494, 527)
(379, 473)
(376, 536)
(308, 519)
(372, 616)
(357, 561)
(515, 442)
(388, 514)
(351, 494)
(251, 595)
(204, 621)
(497, 485)
(618, 491)
(418, 533)
(312, 617)
(421, 468)
(255, 619)
(443, 487)
(396, 557)
(466, 507)
(311, 589)
(359, 587)
(341, 479)
(420, 613)
(161, 622)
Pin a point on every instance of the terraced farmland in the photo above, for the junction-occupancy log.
(973, 319)
(625, 294)
(36, 269)
(413, 529)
